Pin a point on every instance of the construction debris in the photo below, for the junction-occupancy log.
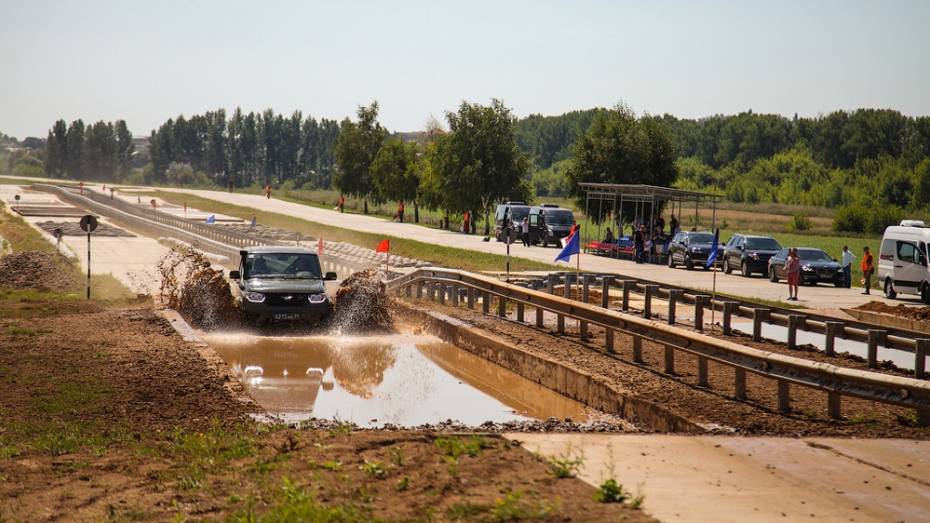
(40, 271)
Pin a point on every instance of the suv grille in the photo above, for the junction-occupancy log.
(285, 299)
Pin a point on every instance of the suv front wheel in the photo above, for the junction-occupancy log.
(726, 266)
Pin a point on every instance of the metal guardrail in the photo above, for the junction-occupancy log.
(785, 370)
(873, 335)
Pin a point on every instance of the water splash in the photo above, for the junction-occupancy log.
(197, 291)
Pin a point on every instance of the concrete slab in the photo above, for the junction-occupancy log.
(741, 479)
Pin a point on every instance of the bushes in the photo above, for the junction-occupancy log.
(859, 219)
(799, 222)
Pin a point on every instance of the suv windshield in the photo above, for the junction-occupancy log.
(813, 255)
(763, 244)
(559, 217)
(701, 237)
(282, 265)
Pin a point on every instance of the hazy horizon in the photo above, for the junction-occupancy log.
(146, 63)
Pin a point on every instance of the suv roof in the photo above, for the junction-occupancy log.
(279, 249)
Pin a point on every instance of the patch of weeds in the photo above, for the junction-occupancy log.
(331, 465)
(460, 511)
(266, 465)
(190, 483)
(858, 419)
(513, 507)
(71, 397)
(402, 485)
(16, 330)
(361, 493)
(397, 457)
(911, 419)
(567, 464)
(611, 492)
(374, 469)
(293, 503)
(341, 428)
(457, 447)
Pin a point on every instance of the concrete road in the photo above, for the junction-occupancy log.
(820, 297)
(737, 479)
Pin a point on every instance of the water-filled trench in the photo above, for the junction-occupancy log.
(398, 379)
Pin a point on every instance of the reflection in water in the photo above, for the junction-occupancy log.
(400, 379)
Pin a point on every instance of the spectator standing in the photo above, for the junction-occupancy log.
(400, 211)
(846, 260)
(525, 231)
(674, 225)
(639, 243)
(342, 203)
(660, 225)
(268, 191)
(793, 268)
(466, 222)
(868, 268)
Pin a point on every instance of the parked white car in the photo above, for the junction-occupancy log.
(902, 262)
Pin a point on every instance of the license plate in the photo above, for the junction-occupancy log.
(287, 316)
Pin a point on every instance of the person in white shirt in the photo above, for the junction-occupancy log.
(525, 231)
(846, 260)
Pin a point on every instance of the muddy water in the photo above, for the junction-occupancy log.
(400, 379)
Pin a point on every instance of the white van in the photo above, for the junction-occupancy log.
(902, 262)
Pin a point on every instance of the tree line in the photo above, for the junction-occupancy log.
(245, 149)
(100, 151)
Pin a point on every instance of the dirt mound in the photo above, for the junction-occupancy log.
(362, 305)
(901, 310)
(198, 292)
(41, 271)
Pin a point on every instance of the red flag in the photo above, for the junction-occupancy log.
(384, 246)
(319, 246)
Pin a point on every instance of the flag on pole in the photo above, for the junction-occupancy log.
(211, 219)
(572, 246)
(384, 246)
(319, 247)
(712, 257)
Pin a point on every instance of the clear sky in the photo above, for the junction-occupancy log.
(146, 61)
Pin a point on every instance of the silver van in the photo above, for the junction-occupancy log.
(902, 262)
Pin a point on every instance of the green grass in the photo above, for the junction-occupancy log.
(436, 254)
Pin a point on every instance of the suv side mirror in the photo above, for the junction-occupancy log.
(330, 276)
(234, 275)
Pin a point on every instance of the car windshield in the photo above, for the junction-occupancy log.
(518, 213)
(559, 217)
(282, 265)
(764, 244)
(701, 237)
(813, 255)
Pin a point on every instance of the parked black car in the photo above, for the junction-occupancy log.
(549, 224)
(816, 266)
(690, 248)
(749, 254)
(282, 284)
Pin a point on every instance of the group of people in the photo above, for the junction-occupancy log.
(793, 270)
(643, 241)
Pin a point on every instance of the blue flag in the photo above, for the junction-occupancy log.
(211, 219)
(712, 257)
(571, 247)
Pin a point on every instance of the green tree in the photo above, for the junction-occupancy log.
(478, 163)
(355, 150)
(619, 148)
(922, 184)
(394, 172)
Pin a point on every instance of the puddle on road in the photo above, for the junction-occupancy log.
(400, 379)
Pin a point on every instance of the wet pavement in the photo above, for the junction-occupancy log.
(401, 379)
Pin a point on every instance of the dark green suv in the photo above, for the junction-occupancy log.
(282, 284)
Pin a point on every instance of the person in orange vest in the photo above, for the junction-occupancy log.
(868, 268)
(342, 203)
(268, 191)
(466, 222)
(400, 211)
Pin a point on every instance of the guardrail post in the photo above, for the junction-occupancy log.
(728, 307)
(758, 317)
(441, 292)
(609, 340)
(408, 290)
(650, 291)
(560, 319)
(539, 311)
(795, 321)
(832, 329)
(834, 408)
(669, 359)
(875, 337)
(637, 349)
(429, 290)
(920, 358)
(627, 286)
(471, 298)
(674, 296)
(586, 287)
(739, 386)
(784, 396)
(605, 291)
(702, 371)
(455, 295)
(486, 302)
(501, 306)
(700, 301)
(520, 311)
(550, 283)
(923, 417)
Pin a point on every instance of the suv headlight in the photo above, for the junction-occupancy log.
(754, 255)
(255, 297)
(807, 268)
(317, 298)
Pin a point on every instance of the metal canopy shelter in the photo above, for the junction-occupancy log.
(640, 196)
